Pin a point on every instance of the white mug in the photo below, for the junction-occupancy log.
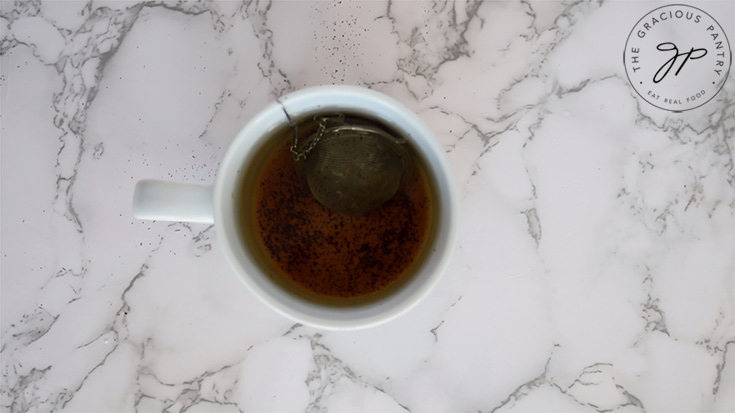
(217, 203)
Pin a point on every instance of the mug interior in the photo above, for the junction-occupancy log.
(240, 158)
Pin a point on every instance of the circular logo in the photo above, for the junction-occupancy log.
(677, 57)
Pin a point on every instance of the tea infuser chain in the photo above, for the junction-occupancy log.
(322, 121)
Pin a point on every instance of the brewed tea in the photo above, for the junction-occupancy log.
(326, 253)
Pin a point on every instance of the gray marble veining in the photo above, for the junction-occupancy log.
(595, 265)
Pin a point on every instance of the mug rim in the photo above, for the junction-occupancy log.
(303, 103)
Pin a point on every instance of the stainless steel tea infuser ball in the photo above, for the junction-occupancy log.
(351, 167)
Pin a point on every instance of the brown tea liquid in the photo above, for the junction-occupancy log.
(332, 254)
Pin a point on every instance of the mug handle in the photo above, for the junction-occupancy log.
(173, 201)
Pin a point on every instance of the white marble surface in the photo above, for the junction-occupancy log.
(594, 270)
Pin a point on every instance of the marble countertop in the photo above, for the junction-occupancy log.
(595, 264)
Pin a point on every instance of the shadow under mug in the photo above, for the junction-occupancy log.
(218, 204)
